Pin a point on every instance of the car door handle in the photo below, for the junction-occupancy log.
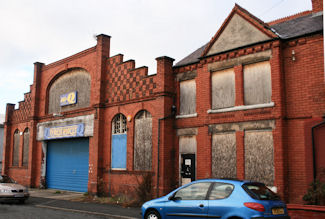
(201, 205)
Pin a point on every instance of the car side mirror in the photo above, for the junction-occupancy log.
(173, 198)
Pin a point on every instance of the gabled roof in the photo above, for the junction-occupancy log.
(299, 26)
(239, 29)
(289, 28)
(193, 57)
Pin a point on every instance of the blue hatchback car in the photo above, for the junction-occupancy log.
(217, 198)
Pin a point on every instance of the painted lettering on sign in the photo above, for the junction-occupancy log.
(69, 131)
(68, 99)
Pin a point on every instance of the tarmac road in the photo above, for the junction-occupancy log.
(46, 208)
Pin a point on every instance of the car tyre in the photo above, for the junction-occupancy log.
(152, 214)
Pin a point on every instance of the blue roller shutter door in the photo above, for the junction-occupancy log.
(67, 164)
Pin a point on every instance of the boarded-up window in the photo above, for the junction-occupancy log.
(143, 141)
(257, 83)
(78, 80)
(26, 148)
(187, 97)
(224, 155)
(15, 157)
(259, 165)
(187, 144)
(223, 89)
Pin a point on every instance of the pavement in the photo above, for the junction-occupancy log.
(55, 194)
(68, 201)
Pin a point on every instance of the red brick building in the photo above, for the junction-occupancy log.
(249, 105)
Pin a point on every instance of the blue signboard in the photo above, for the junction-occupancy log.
(68, 99)
(68, 131)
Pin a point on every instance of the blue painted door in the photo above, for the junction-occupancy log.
(67, 164)
(119, 151)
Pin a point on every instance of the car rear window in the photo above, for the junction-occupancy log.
(260, 191)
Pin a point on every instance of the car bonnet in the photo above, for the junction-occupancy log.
(11, 186)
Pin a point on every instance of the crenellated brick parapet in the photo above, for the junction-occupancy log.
(125, 82)
(23, 113)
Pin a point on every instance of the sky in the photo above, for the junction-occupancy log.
(50, 30)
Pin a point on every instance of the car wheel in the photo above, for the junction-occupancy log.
(152, 214)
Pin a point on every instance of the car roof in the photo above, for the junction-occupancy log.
(232, 181)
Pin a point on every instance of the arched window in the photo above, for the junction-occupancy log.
(143, 141)
(26, 147)
(119, 138)
(70, 91)
(15, 153)
(119, 124)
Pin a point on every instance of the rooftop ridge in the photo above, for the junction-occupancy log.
(252, 16)
(290, 17)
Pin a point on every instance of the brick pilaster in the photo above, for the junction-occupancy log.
(240, 154)
(239, 85)
(7, 139)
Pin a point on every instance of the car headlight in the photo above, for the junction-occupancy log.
(5, 191)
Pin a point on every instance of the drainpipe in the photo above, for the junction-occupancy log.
(158, 145)
(314, 147)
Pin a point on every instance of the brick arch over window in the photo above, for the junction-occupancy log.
(26, 148)
(15, 151)
(119, 140)
(73, 80)
(143, 141)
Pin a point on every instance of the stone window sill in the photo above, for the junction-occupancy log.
(119, 169)
(186, 116)
(238, 108)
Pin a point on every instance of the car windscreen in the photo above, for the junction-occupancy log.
(6, 179)
(260, 191)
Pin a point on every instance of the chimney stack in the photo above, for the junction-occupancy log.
(317, 5)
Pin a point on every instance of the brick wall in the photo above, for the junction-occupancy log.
(306, 211)
(204, 119)
(298, 91)
(117, 86)
(305, 102)
(304, 77)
